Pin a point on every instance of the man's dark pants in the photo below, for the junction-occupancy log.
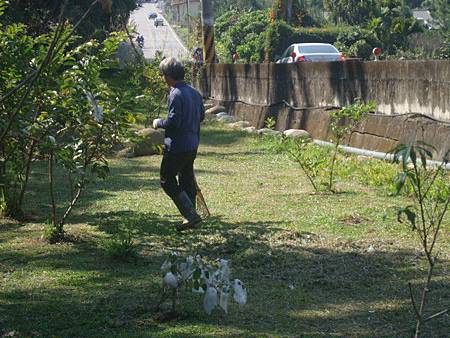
(181, 165)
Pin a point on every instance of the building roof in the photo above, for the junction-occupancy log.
(422, 14)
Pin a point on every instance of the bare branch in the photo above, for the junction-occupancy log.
(413, 302)
(443, 312)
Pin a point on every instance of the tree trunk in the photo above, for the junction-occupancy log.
(289, 11)
(208, 31)
(52, 194)
(27, 174)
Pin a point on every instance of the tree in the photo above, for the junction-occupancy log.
(393, 24)
(38, 15)
(222, 6)
(440, 11)
(352, 12)
(56, 107)
(294, 12)
(415, 3)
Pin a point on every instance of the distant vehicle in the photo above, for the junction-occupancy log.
(300, 52)
(140, 41)
(152, 15)
(159, 22)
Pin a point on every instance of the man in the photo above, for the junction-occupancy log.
(182, 136)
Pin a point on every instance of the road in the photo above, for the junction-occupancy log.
(161, 38)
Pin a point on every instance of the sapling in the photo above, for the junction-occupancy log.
(431, 193)
(270, 122)
(343, 122)
(209, 278)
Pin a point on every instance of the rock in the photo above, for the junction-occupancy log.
(127, 54)
(208, 105)
(239, 125)
(226, 119)
(269, 132)
(125, 153)
(297, 133)
(222, 114)
(251, 130)
(215, 110)
(150, 141)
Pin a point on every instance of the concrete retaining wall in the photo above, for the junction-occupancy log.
(256, 91)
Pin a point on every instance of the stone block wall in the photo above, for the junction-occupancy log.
(413, 97)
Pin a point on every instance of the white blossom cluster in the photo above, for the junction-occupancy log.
(212, 280)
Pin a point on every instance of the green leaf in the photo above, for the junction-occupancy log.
(197, 273)
(101, 170)
(400, 182)
(196, 285)
(413, 155)
(445, 158)
(42, 116)
(410, 215)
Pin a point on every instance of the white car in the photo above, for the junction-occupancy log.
(299, 52)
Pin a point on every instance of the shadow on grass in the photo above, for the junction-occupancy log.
(296, 285)
(126, 175)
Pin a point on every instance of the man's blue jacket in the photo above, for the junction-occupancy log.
(182, 125)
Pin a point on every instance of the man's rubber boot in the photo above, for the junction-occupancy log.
(187, 210)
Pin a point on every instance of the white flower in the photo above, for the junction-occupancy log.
(224, 268)
(166, 265)
(210, 301)
(185, 271)
(200, 290)
(170, 280)
(223, 300)
(240, 293)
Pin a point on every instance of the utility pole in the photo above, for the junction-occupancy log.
(208, 31)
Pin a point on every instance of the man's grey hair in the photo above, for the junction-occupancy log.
(172, 68)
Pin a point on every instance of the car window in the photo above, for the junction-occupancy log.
(288, 52)
(318, 49)
(285, 53)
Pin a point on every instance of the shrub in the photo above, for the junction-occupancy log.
(357, 42)
(342, 123)
(312, 159)
(242, 33)
(280, 35)
(122, 246)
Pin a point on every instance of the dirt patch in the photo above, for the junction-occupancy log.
(354, 219)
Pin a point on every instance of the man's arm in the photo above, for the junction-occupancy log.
(173, 120)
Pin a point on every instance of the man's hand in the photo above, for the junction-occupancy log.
(156, 123)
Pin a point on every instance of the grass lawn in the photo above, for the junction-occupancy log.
(314, 265)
